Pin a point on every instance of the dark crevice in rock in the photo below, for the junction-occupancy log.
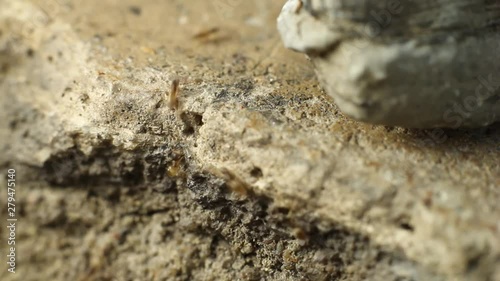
(265, 236)
(108, 164)
(192, 122)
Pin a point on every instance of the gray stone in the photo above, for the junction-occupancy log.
(420, 64)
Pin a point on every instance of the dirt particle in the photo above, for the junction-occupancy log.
(135, 10)
(30, 52)
(256, 172)
(206, 33)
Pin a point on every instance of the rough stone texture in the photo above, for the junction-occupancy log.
(418, 64)
(256, 175)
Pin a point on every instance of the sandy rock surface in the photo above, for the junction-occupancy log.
(255, 175)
